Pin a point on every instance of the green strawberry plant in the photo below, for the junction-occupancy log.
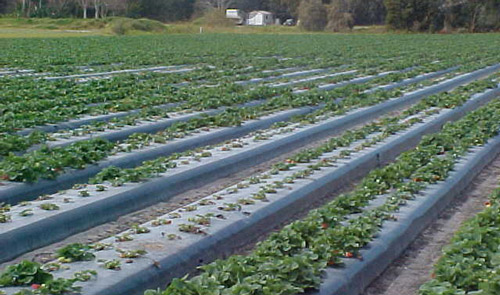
(24, 273)
(75, 252)
(325, 234)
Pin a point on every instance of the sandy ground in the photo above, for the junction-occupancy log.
(413, 268)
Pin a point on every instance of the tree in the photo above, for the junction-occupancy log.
(217, 4)
(162, 10)
(312, 15)
(101, 8)
(490, 18)
(394, 14)
(368, 12)
(115, 7)
(416, 15)
(97, 4)
(84, 4)
(249, 5)
(60, 8)
(288, 7)
(6, 6)
(475, 15)
(340, 17)
(475, 7)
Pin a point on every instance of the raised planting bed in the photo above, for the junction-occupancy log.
(310, 79)
(469, 264)
(230, 223)
(88, 119)
(85, 120)
(151, 126)
(358, 80)
(287, 75)
(343, 236)
(13, 73)
(146, 126)
(416, 79)
(411, 219)
(150, 254)
(8, 72)
(16, 192)
(79, 212)
(163, 69)
(231, 117)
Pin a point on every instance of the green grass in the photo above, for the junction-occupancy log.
(69, 27)
(49, 23)
(43, 33)
(75, 27)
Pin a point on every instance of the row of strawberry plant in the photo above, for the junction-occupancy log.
(219, 50)
(183, 95)
(47, 162)
(49, 207)
(52, 206)
(83, 77)
(448, 100)
(28, 167)
(310, 157)
(33, 89)
(30, 89)
(72, 108)
(182, 130)
(385, 128)
(470, 263)
(291, 261)
(79, 110)
(29, 113)
(13, 143)
(15, 193)
(278, 129)
(150, 150)
(17, 143)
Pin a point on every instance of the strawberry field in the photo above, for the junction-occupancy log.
(241, 164)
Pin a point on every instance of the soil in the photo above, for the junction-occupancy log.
(414, 267)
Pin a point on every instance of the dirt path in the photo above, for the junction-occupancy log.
(413, 268)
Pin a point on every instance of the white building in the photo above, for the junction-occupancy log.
(237, 15)
(260, 18)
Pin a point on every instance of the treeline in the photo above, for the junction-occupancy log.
(443, 15)
(334, 15)
(411, 15)
(365, 11)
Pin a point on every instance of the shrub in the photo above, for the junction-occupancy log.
(339, 21)
(119, 27)
(147, 25)
(214, 18)
(122, 26)
(312, 15)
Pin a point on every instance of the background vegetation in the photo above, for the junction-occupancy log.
(315, 15)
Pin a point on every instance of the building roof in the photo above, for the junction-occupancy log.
(255, 12)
